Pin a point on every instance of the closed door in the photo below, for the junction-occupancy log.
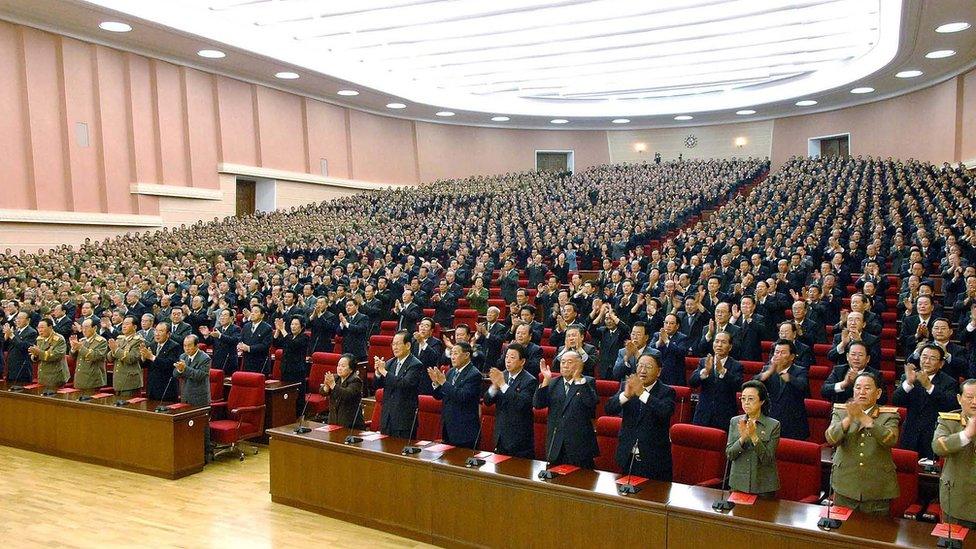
(245, 197)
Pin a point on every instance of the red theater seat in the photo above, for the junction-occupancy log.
(818, 417)
(245, 413)
(429, 418)
(798, 464)
(698, 454)
(607, 433)
(906, 467)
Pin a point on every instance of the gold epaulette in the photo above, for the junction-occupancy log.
(950, 416)
(888, 409)
(840, 406)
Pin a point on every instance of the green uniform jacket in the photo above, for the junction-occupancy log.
(52, 371)
(863, 466)
(127, 371)
(959, 469)
(754, 465)
(90, 363)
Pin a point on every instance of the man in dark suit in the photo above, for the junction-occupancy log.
(354, 327)
(531, 352)
(511, 392)
(646, 405)
(625, 362)
(428, 349)
(159, 357)
(804, 354)
(178, 329)
(399, 378)
(719, 376)
(852, 329)
(223, 339)
(490, 335)
(926, 392)
(345, 392)
(255, 342)
(693, 320)
(571, 400)
(62, 322)
(722, 322)
(753, 328)
(460, 389)
(193, 368)
(810, 331)
(610, 335)
(444, 303)
(916, 327)
(787, 386)
(839, 386)
(17, 340)
(324, 324)
(574, 342)
(956, 363)
(673, 346)
(408, 313)
(508, 281)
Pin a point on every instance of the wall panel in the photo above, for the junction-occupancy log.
(14, 128)
(326, 138)
(281, 130)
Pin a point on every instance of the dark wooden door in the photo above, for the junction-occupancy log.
(245, 197)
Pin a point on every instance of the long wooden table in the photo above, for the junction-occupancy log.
(133, 437)
(433, 497)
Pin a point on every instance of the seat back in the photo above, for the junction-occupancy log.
(906, 468)
(316, 375)
(247, 389)
(548, 354)
(607, 434)
(468, 317)
(798, 464)
(751, 368)
(276, 368)
(820, 351)
(691, 364)
(697, 454)
(539, 418)
(381, 346)
(817, 375)
(818, 417)
(216, 385)
(682, 404)
(487, 428)
(374, 419)
(429, 418)
(604, 390)
(388, 327)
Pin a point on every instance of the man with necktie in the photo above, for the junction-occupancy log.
(572, 400)
(460, 389)
(255, 342)
(398, 377)
(511, 392)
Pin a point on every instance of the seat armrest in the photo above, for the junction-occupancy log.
(242, 409)
(711, 483)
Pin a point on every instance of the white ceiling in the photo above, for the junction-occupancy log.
(584, 61)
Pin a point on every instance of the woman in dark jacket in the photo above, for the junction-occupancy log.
(294, 366)
(345, 392)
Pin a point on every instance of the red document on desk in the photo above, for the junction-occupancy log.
(742, 498)
(136, 400)
(632, 480)
(439, 448)
(492, 458)
(328, 428)
(32, 386)
(177, 406)
(67, 390)
(564, 469)
(101, 395)
(373, 436)
(941, 530)
(837, 512)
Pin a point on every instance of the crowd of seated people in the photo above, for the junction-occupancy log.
(847, 281)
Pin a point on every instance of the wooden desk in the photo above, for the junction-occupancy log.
(132, 437)
(434, 498)
(279, 401)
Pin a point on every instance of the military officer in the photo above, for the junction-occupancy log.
(125, 353)
(863, 433)
(49, 352)
(90, 353)
(955, 440)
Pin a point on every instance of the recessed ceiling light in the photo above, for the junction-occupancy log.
(940, 54)
(286, 75)
(500, 119)
(806, 103)
(114, 26)
(559, 121)
(683, 117)
(348, 93)
(908, 74)
(395, 106)
(445, 113)
(621, 121)
(745, 112)
(863, 89)
(212, 54)
(952, 27)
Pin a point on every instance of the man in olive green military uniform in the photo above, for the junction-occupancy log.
(125, 353)
(49, 352)
(90, 353)
(863, 433)
(955, 440)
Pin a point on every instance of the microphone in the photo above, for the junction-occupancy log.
(629, 488)
(948, 542)
(828, 523)
(547, 474)
(302, 428)
(724, 504)
(163, 407)
(410, 449)
(353, 439)
(18, 388)
(475, 461)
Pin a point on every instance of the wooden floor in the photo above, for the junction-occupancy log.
(52, 502)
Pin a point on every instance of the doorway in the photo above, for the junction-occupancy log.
(554, 161)
(245, 197)
(830, 145)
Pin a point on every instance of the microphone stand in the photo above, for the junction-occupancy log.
(630, 488)
(301, 429)
(547, 474)
(409, 450)
(19, 388)
(353, 439)
(724, 504)
(475, 461)
(948, 542)
(829, 523)
(161, 407)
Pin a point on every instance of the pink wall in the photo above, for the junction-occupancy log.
(967, 118)
(917, 125)
(447, 151)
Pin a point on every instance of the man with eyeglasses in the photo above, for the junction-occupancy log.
(839, 386)
(925, 391)
(955, 440)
